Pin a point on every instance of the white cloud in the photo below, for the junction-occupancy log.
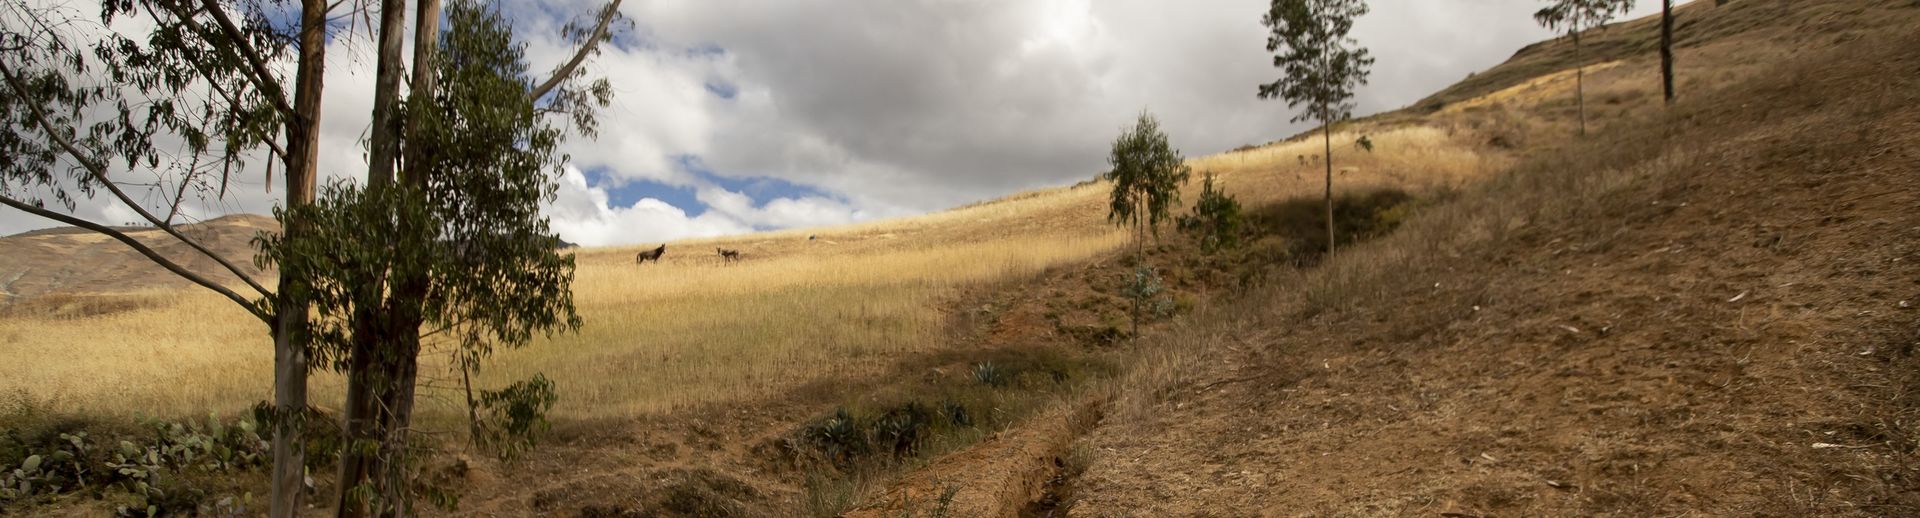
(905, 106)
(583, 213)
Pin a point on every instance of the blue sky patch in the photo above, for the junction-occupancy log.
(625, 193)
(760, 189)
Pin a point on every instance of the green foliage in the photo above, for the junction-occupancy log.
(516, 415)
(1321, 66)
(1293, 231)
(1147, 173)
(1216, 218)
(474, 231)
(1147, 290)
(1576, 16)
(143, 466)
(118, 102)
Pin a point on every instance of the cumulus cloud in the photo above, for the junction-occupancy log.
(887, 108)
(586, 214)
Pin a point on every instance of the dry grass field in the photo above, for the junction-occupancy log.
(687, 330)
(1657, 319)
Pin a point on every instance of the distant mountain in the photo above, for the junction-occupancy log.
(70, 260)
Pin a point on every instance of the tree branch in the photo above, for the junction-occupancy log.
(258, 65)
(99, 174)
(561, 74)
(143, 250)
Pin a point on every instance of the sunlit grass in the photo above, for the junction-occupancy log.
(803, 306)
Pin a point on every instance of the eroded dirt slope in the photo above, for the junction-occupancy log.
(1730, 330)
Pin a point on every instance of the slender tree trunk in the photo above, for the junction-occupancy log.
(1139, 260)
(290, 355)
(356, 462)
(1326, 131)
(369, 377)
(385, 133)
(411, 282)
(426, 35)
(1666, 49)
(1579, 79)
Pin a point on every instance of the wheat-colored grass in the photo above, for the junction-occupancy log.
(803, 306)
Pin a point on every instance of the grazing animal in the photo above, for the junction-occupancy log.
(650, 255)
(729, 255)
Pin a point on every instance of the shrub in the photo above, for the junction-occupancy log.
(516, 415)
(1216, 218)
(64, 459)
(990, 375)
(1147, 290)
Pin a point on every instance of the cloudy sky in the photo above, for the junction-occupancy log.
(732, 116)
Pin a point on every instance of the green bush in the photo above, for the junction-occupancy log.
(516, 416)
(1216, 219)
(63, 459)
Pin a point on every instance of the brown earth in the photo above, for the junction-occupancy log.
(1729, 331)
(1719, 330)
(71, 261)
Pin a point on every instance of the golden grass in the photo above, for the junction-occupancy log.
(680, 334)
(683, 332)
(175, 353)
(690, 329)
(693, 329)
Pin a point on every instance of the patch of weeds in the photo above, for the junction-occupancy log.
(149, 470)
(986, 373)
(867, 443)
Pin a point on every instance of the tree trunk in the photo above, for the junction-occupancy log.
(1139, 260)
(384, 137)
(411, 284)
(1579, 79)
(1666, 49)
(1326, 131)
(426, 35)
(356, 461)
(290, 355)
(398, 406)
(369, 376)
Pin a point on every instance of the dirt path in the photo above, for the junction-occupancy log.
(1731, 334)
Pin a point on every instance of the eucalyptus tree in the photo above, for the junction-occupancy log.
(446, 238)
(192, 102)
(1321, 66)
(1146, 175)
(1575, 17)
(195, 98)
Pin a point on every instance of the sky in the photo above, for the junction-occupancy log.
(734, 116)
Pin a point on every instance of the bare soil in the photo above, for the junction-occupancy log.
(1731, 334)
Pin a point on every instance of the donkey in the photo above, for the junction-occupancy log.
(650, 255)
(728, 255)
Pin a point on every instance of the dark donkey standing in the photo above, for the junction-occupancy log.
(650, 255)
(729, 255)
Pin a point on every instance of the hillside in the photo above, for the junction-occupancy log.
(1707, 309)
(1703, 311)
(71, 261)
(1717, 323)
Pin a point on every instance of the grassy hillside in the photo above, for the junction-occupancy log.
(1698, 312)
(1664, 317)
(688, 330)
